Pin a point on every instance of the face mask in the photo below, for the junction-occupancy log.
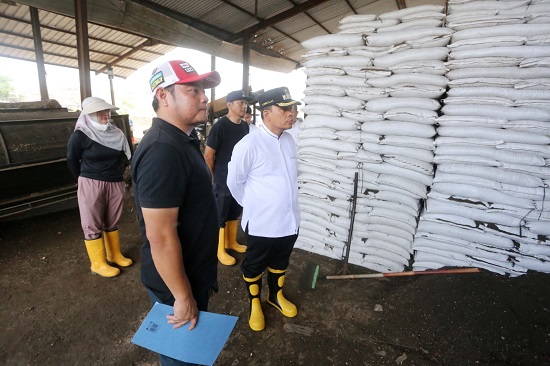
(95, 123)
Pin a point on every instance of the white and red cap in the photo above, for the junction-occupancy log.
(180, 72)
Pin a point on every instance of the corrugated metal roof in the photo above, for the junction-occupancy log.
(133, 33)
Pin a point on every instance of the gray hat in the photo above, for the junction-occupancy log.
(237, 95)
(95, 104)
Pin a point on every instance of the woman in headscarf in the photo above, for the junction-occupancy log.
(96, 154)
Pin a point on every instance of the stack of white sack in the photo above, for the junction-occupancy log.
(489, 205)
(371, 103)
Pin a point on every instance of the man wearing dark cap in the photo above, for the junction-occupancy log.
(225, 133)
(262, 176)
(248, 117)
(175, 204)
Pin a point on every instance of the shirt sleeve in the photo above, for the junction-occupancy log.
(214, 137)
(74, 153)
(237, 170)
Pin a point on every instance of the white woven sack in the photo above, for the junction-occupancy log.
(415, 153)
(486, 61)
(376, 51)
(409, 163)
(408, 141)
(429, 14)
(416, 23)
(528, 126)
(429, 42)
(383, 105)
(478, 100)
(493, 134)
(356, 136)
(502, 30)
(434, 53)
(321, 132)
(434, 67)
(484, 72)
(335, 145)
(338, 61)
(358, 18)
(377, 23)
(321, 109)
(344, 80)
(367, 72)
(365, 93)
(485, 194)
(360, 29)
(500, 92)
(410, 78)
(518, 51)
(497, 41)
(334, 40)
(399, 128)
(475, 236)
(434, 206)
(470, 121)
(512, 190)
(389, 169)
(398, 14)
(487, 152)
(397, 37)
(324, 52)
(485, 21)
(535, 62)
(534, 264)
(380, 197)
(487, 5)
(320, 71)
(493, 174)
(337, 123)
(410, 114)
(334, 90)
(345, 102)
(371, 252)
(381, 244)
(484, 82)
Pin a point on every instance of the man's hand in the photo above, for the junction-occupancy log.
(184, 312)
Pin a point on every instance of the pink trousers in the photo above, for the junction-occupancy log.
(100, 205)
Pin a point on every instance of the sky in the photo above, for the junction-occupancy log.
(132, 95)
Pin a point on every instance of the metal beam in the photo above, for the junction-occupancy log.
(55, 55)
(312, 19)
(351, 7)
(401, 4)
(145, 43)
(39, 53)
(82, 47)
(265, 23)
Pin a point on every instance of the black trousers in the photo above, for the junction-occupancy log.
(266, 252)
(228, 208)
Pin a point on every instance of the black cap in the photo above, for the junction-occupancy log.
(278, 96)
(237, 95)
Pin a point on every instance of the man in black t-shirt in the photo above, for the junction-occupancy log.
(224, 135)
(175, 204)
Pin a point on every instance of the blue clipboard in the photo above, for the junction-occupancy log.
(201, 345)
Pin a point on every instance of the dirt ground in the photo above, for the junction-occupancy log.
(53, 311)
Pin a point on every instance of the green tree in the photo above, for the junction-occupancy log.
(6, 89)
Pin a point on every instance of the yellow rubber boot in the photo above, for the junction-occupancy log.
(96, 252)
(231, 238)
(223, 257)
(256, 320)
(112, 247)
(276, 281)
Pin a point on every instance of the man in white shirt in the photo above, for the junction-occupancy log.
(262, 177)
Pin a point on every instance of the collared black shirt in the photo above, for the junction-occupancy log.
(168, 170)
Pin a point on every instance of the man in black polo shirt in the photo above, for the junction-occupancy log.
(173, 191)
(224, 135)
